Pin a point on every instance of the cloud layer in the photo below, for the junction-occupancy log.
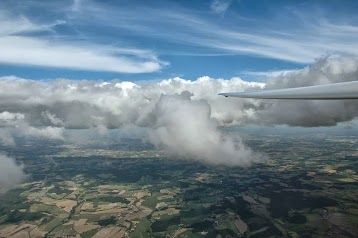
(180, 115)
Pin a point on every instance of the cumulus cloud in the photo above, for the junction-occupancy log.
(6, 138)
(185, 127)
(312, 113)
(17, 122)
(88, 104)
(181, 116)
(38, 108)
(49, 132)
(10, 172)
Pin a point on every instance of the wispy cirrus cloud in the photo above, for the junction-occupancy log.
(220, 6)
(37, 52)
(264, 75)
(290, 38)
(25, 42)
(129, 37)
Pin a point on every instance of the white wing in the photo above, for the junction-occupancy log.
(347, 90)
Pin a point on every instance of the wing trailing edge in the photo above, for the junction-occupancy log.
(336, 91)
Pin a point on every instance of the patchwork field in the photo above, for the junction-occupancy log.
(306, 188)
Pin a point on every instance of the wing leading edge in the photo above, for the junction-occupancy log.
(336, 91)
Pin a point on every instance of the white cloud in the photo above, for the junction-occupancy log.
(179, 115)
(18, 123)
(53, 119)
(49, 107)
(76, 6)
(49, 132)
(10, 173)
(17, 47)
(258, 75)
(7, 116)
(184, 127)
(36, 52)
(291, 37)
(220, 6)
(297, 36)
(6, 138)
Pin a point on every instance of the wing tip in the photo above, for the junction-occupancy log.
(224, 94)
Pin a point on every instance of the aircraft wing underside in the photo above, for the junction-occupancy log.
(336, 91)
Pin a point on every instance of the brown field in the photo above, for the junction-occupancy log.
(66, 205)
(87, 206)
(108, 211)
(17, 231)
(110, 232)
(37, 233)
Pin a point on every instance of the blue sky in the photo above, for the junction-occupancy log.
(153, 40)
